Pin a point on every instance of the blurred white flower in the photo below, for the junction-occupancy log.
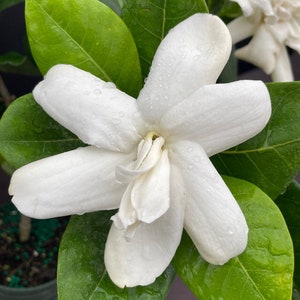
(274, 24)
(149, 157)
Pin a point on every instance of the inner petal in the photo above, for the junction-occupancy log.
(147, 195)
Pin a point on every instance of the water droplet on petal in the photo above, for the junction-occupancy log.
(110, 85)
(97, 91)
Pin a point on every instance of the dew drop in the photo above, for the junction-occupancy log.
(197, 158)
(97, 91)
(110, 85)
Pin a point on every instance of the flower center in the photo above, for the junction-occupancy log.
(281, 11)
(146, 197)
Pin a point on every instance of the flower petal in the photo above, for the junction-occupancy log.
(141, 259)
(220, 116)
(150, 194)
(193, 54)
(74, 182)
(213, 219)
(241, 28)
(97, 112)
(283, 69)
(249, 7)
(261, 51)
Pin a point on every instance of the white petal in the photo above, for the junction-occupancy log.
(261, 51)
(74, 182)
(141, 259)
(191, 55)
(283, 69)
(150, 194)
(97, 112)
(250, 7)
(220, 116)
(240, 29)
(213, 218)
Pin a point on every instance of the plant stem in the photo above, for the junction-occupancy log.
(25, 228)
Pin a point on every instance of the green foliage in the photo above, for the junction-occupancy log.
(263, 272)
(150, 21)
(224, 9)
(81, 270)
(115, 5)
(27, 133)
(86, 34)
(289, 204)
(271, 159)
(8, 3)
(93, 37)
(13, 62)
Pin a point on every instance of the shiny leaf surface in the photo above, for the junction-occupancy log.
(86, 34)
(263, 272)
(81, 269)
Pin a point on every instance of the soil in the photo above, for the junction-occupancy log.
(30, 263)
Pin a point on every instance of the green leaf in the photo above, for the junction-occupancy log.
(27, 133)
(271, 159)
(263, 271)
(81, 270)
(8, 3)
(86, 34)
(13, 62)
(115, 5)
(150, 21)
(289, 204)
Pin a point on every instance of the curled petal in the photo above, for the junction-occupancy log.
(213, 219)
(257, 53)
(250, 6)
(151, 192)
(283, 69)
(193, 54)
(241, 28)
(96, 111)
(139, 260)
(68, 183)
(220, 116)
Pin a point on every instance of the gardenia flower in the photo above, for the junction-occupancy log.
(149, 157)
(273, 24)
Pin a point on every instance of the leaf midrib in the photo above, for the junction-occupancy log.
(107, 78)
(249, 277)
(262, 149)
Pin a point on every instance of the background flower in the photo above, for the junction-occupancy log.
(274, 24)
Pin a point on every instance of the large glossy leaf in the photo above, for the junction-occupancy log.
(86, 34)
(263, 272)
(289, 204)
(271, 159)
(150, 21)
(27, 133)
(81, 270)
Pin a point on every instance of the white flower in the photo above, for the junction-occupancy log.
(149, 157)
(273, 24)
